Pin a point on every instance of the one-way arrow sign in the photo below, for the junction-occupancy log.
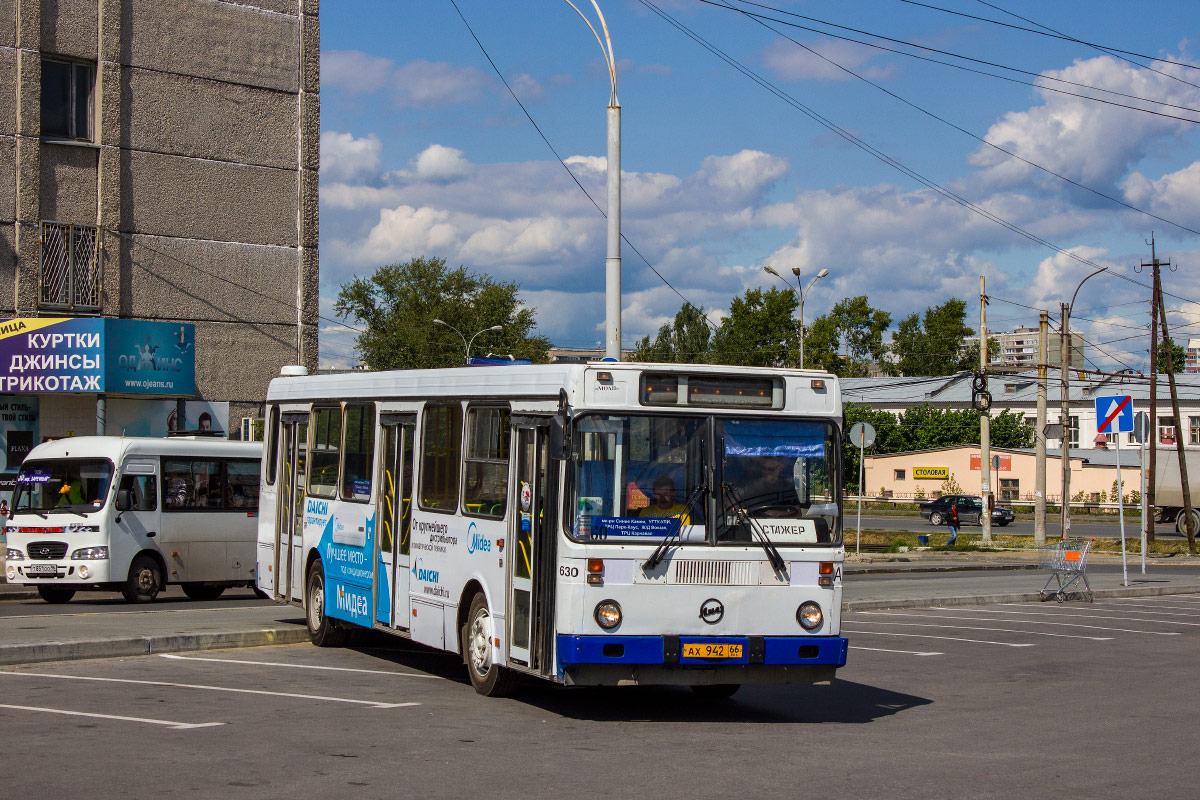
(1114, 414)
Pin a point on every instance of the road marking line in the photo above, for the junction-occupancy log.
(152, 611)
(177, 726)
(998, 630)
(1091, 616)
(904, 652)
(1153, 610)
(1030, 622)
(297, 666)
(947, 638)
(170, 685)
(1150, 607)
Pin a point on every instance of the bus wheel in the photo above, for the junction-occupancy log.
(143, 582)
(203, 591)
(716, 691)
(55, 594)
(488, 678)
(323, 631)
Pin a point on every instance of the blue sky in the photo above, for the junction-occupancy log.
(424, 152)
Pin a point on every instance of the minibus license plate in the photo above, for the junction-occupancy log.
(712, 650)
(41, 569)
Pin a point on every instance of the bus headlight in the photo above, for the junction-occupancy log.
(608, 614)
(12, 573)
(90, 553)
(809, 615)
(14, 554)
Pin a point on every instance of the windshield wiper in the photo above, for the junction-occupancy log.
(777, 562)
(660, 552)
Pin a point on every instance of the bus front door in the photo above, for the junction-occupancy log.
(531, 560)
(289, 526)
(394, 519)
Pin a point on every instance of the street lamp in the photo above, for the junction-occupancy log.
(612, 261)
(467, 344)
(1064, 363)
(800, 295)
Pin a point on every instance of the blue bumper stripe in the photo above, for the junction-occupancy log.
(666, 649)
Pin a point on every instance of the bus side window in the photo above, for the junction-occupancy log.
(323, 458)
(143, 491)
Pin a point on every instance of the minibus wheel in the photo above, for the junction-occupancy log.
(143, 582)
(55, 594)
(488, 678)
(323, 631)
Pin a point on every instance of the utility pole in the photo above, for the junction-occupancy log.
(1189, 524)
(985, 423)
(1152, 448)
(1039, 479)
(1064, 416)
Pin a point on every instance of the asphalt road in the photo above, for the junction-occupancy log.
(988, 702)
(173, 599)
(1090, 528)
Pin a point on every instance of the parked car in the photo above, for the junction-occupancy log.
(970, 511)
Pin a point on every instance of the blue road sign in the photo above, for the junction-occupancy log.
(1114, 414)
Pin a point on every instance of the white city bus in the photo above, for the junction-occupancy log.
(599, 524)
(133, 515)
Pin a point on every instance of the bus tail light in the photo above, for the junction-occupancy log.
(825, 574)
(595, 572)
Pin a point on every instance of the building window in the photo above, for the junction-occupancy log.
(1010, 489)
(1074, 431)
(70, 270)
(900, 474)
(1166, 430)
(67, 99)
(1194, 430)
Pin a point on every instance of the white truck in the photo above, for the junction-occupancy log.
(1168, 490)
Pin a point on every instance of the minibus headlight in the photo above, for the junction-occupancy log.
(15, 554)
(12, 573)
(809, 615)
(90, 553)
(608, 614)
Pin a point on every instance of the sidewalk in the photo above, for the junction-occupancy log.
(96, 625)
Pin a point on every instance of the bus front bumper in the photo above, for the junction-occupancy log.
(631, 660)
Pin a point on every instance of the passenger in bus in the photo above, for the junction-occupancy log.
(71, 493)
(664, 504)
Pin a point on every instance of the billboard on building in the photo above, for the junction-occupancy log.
(92, 355)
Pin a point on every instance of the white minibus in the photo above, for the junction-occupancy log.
(133, 515)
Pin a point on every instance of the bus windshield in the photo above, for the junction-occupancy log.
(706, 479)
(77, 486)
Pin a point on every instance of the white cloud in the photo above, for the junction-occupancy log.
(1089, 142)
(354, 72)
(743, 174)
(1175, 196)
(794, 63)
(438, 163)
(406, 232)
(436, 83)
(344, 158)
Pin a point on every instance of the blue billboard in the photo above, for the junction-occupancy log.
(50, 355)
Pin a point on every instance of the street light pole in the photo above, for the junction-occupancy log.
(467, 344)
(800, 296)
(1064, 413)
(612, 261)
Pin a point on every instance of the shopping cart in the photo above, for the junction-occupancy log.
(1067, 562)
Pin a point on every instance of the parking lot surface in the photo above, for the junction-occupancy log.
(1086, 699)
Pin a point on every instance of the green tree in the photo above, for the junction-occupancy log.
(1178, 356)
(759, 331)
(933, 346)
(821, 342)
(398, 304)
(860, 330)
(970, 355)
(684, 341)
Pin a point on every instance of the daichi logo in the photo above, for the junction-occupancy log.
(422, 574)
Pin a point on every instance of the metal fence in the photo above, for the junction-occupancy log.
(70, 267)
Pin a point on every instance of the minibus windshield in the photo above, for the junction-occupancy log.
(76, 486)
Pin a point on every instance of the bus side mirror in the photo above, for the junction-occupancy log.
(124, 500)
(560, 449)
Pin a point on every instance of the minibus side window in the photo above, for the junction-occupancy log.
(143, 491)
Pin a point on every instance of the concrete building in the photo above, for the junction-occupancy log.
(1192, 356)
(1019, 348)
(158, 164)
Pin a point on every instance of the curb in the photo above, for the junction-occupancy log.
(1015, 597)
(148, 645)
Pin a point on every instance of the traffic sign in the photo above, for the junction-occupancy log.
(1114, 414)
(862, 434)
(1141, 427)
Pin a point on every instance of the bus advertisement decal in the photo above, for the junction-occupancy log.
(349, 602)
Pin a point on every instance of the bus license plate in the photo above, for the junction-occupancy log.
(41, 569)
(711, 650)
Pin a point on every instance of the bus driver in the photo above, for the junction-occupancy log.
(664, 504)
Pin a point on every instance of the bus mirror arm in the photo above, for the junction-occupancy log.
(560, 430)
